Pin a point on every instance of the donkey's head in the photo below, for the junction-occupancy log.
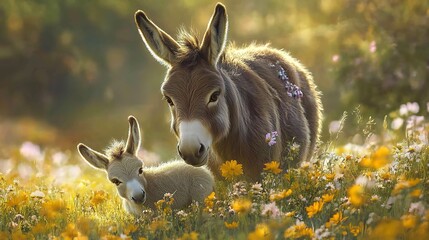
(193, 88)
(124, 168)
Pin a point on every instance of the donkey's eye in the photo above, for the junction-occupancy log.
(116, 181)
(214, 96)
(140, 170)
(169, 101)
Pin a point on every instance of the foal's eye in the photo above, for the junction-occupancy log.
(116, 181)
(140, 170)
(214, 96)
(169, 101)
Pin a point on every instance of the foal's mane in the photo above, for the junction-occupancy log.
(115, 150)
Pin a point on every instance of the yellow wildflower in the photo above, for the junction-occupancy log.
(231, 169)
(70, 232)
(387, 229)
(356, 230)
(130, 229)
(41, 228)
(386, 176)
(17, 199)
(241, 205)
(85, 225)
(314, 208)
(314, 174)
(52, 209)
(299, 230)
(262, 232)
(4, 235)
(404, 184)
(98, 197)
(290, 214)
(158, 225)
(232, 225)
(409, 221)
(280, 195)
(189, 236)
(416, 193)
(413, 182)
(18, 235)
(378, 159)
(328, 197)
(420, 232)
(305, 165)
(336, 219)
(330, 176)
(273, 167)
(356, 195)
(209, 201)
(111, 237)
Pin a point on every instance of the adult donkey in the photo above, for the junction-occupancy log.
(224, 100)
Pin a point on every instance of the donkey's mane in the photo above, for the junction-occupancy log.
(189, 51)
(115, 150)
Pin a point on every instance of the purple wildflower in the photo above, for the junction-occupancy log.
(271, 138)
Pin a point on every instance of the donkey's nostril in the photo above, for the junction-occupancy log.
(201, 150)
(133, 199)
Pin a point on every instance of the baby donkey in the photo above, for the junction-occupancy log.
(139, 186)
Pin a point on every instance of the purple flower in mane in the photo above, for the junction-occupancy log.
(271, 138)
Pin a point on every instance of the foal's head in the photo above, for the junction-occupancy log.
(124, 168)
(193, 88)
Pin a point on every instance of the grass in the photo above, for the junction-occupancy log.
(374, 190)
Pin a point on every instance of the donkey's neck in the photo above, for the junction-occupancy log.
(238, 114)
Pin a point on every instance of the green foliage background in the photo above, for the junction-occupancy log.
(73, 71)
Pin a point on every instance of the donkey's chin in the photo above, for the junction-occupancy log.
(202, 161)
(200, 164)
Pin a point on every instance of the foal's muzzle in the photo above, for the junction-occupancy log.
(139, 197)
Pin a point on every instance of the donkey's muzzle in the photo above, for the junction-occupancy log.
(194, 141)
(195, 156)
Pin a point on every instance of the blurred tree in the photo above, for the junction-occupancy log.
(383, 54)
(81, 67)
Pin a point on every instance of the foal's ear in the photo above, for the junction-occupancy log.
(94, 158)
(134, 138)
(160, 44)
(215, 37)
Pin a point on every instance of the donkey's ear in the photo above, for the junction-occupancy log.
(94, 158)
(134, 138)
(215, 37)
(160, 44)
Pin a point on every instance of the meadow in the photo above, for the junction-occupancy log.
(374, 190)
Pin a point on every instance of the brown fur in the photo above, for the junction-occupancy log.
(253, 99)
